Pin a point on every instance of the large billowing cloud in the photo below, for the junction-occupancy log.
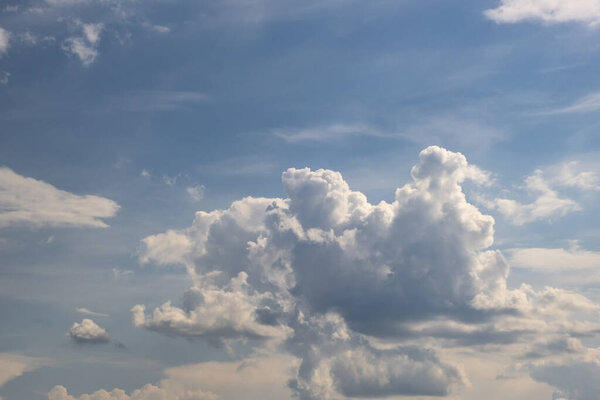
(329, 249)
(31, 202)
(324, 275)
(548, 11)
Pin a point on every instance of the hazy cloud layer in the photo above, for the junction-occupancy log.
(261, 377)
(15, 365)
(147, 392)
(31, 202)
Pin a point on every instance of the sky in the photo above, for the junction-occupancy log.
(316, 200)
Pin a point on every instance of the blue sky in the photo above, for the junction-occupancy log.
(198, 199)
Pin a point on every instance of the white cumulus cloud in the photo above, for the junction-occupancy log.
(88, 332)
(547, 11)
(323, 272)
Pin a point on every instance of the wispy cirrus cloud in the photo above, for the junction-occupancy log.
(588, 103)
(442, 130)
(87, 311)
(327, 132)
(155, 100)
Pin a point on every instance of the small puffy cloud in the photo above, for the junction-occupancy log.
(28, 201)
(78, 46)
(4, 40)
(88, 332)
(196, 192)
(85, 46)
(546, 11)
(157, 28)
